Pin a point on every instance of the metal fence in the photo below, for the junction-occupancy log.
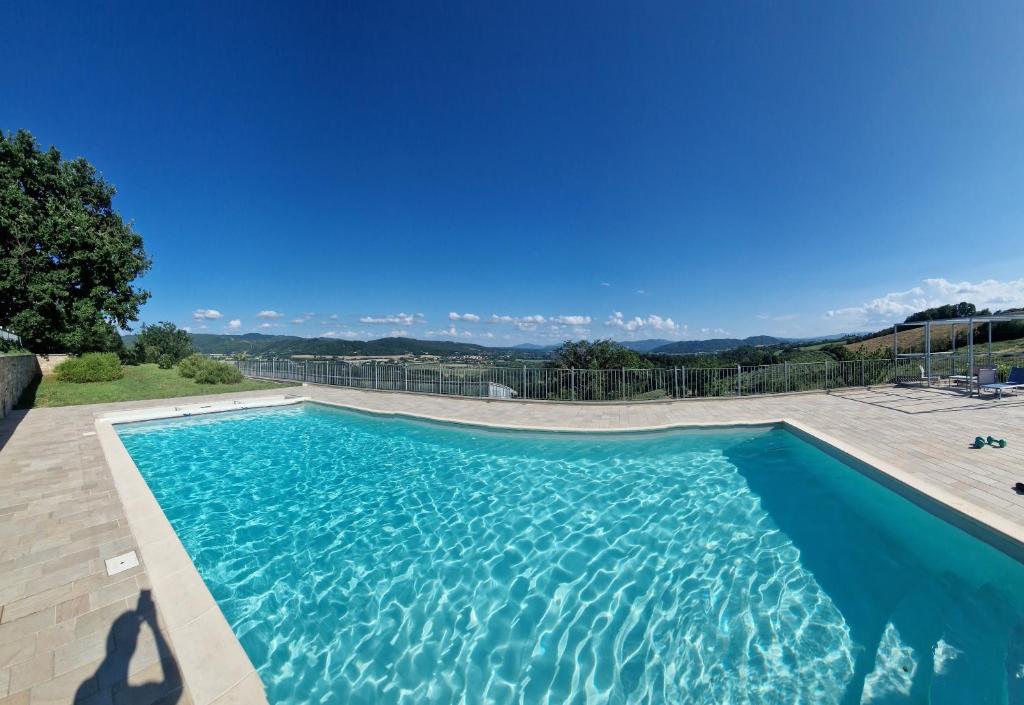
(557, 384)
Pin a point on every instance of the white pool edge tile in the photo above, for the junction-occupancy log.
(211, 659)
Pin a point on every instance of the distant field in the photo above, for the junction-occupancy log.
(912, 340)
(139, 382)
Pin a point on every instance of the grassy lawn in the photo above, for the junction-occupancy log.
(139, 382)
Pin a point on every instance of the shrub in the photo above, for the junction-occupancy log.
(91, 367)
(165, 362)
(190, 365)
(212, 372)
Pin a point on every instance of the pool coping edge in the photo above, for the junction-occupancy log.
(215, 668)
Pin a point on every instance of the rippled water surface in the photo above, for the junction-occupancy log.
(372, 560)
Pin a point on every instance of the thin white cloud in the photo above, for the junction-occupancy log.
(234, 324)
(523, 323)
(298, 321)
(776, 318)
(714, 331)
(207, 314)
(897, 305)
(398, 319)
(572, 320)
(267, 325)
(268, 313)
(450, 332)
(333, 317)
(642, 292)
(468, 317)
(397, 333)
(605, 284)
(652, 322)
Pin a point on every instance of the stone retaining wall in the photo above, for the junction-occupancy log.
(48, 362)
(16, 372)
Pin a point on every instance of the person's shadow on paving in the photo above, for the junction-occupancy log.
(122, 641)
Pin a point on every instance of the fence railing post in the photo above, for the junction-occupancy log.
(587, 386)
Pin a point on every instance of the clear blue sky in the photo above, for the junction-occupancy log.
(668, 170)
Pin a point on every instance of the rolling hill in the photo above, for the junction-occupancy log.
(646, 346)
(691, 347)
(261, 344)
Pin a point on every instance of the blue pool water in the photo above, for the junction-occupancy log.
(362, 559)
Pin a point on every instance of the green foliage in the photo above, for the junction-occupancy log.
(597, 355)
(8, 347)
(190, 365)
(67, 259)
(139, 382)
(91, 367)
(960, 310)
(165, 362)
(161, 340)
(206, 371)
(213, 372)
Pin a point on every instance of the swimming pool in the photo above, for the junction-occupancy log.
(364, 559)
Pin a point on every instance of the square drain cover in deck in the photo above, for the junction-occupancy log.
(119, 564)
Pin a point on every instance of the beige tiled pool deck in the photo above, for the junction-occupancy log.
(68, 628)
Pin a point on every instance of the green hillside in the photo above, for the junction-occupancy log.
(690, 347)
(287, 345)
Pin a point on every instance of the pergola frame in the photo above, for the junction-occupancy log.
(970, 321)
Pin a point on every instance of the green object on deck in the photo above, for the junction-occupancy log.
(979, 442)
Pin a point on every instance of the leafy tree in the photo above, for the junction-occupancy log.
(964, 309)
(67, 259)
(597, 355)
(163, 343)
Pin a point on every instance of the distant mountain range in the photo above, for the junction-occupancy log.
(261, 344)
(646, 346)
(690, 347)
(285, 345)
(534, 346)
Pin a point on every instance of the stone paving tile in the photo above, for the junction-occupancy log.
(64, 622)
